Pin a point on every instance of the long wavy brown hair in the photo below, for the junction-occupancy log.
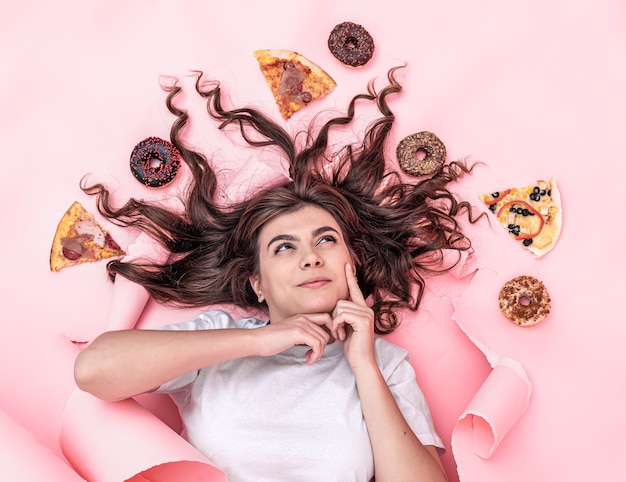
(397, 231)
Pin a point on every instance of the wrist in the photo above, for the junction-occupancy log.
(252, 340)
(365, 367)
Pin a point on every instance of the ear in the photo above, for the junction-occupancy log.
(255, 282)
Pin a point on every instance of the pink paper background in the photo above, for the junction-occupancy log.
(533, 89)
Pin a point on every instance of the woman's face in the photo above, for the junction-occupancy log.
(302, 259)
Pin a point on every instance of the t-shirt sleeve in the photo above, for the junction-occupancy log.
(208, 320)
(400, 377)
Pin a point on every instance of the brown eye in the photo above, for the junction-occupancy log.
(328, 238)
(282, 247)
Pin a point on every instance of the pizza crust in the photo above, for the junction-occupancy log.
(554, 223)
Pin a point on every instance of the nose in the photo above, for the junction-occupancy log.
(311, 259)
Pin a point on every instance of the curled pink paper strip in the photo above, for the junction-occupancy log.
(496, 407)
(127, 303)
(121, 441)
(174, 471)
(24, 457)
(129, 299)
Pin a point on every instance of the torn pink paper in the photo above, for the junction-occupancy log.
(497, 406)
(178, 471)
(116, 441)
(504, 396)
(24, 458)
(128, 298)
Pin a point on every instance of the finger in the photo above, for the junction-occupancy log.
(353, 286)
(338, 330)
(316, 351)
(320, 319)
(353, 316)
(323, 320)
(317, 339)
(312, 356)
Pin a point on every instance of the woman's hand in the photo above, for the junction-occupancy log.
(398, 453)
(311, 330)
(353, 323)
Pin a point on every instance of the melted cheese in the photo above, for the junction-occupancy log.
(548, 207)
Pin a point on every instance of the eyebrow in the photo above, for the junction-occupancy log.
(291, 237)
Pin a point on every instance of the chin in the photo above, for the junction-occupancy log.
(321, 306)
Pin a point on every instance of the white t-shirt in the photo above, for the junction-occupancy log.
(276, 418)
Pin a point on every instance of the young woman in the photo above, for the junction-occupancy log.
(310, 393)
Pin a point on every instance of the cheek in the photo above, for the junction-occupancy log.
(270, 274)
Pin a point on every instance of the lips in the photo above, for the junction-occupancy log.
(315, 282)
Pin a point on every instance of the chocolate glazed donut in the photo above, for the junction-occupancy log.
(426, 143)
(351, 44)
(154, 162)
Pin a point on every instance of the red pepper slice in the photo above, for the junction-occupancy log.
(498, 198)
(524, 205)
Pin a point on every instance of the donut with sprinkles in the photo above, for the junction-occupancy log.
(421, 154)
(524, 300)
(154, 162)
(351, 44)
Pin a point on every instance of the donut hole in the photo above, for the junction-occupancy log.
(351, 43)
(421, 154)
(525, 300)
(154, 163)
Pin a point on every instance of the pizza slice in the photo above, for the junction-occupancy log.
(294, 80)
(531, 214)
(80, 239)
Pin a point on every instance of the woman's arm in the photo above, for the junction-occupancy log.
(398, 454)
(120, 364)
(124, 363)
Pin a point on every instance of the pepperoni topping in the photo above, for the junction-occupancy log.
(110, 242)
(69, 254)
